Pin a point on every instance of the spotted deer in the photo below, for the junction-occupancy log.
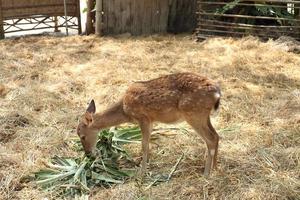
(167, 99)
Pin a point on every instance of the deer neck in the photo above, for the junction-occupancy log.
(113, 116)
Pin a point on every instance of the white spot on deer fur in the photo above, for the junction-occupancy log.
(217, 95)
(212, 152)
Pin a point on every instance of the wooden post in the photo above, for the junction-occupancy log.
(89, 18)
(56, 24)
(1, 22)
(79, 17)
(66, 16)
(98, 17)
(297, 16)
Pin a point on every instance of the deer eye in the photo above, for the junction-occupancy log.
(82, 137)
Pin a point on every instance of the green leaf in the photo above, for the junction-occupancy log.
(104, 178)
(80, 170)
(228, 6)
(55, 177)
(69, 177)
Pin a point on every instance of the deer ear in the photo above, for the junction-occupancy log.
(91, 108)
(87, 118)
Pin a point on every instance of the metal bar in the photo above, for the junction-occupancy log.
(66, 15)
(247, 16)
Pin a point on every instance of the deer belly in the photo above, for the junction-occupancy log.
(169, 117)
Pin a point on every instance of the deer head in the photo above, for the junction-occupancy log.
(86, 132)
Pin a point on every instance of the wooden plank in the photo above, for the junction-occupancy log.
(78, 13)
(30, 29)
(154, 16)
(99, 17)
(89, 20)
(172, 16)
(211, 31)
(133, 16)
(182, 16)
(130, 20)
(159, 15)
(244, 25)
(107, 4)
(146, 23)
(230, 34)
(37, 6)
(2, 35)
(111, 17)
(123, 8)
(243, 4)
(105, 17)
(231, 27)
(269, 1)
(246, 16)
(154, 20)
(143, 15)
(164, 13)
(116, 11)
(138, 17)
(23, 8)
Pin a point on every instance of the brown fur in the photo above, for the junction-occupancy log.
(168, 99)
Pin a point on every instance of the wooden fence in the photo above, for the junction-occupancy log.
(18, 15)
(182, 16)
(263, 18)
(140, 17)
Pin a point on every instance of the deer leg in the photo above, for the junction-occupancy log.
(146, 128)
(200, 125)
(216, 141)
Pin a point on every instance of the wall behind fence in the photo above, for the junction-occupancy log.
(140, 17)
(182, 16)
(135, 16)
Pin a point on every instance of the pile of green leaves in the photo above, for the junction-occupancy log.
(76, 176)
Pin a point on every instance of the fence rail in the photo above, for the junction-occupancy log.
(263, 18)
(17, 15)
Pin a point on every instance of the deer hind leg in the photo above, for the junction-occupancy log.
(212, 129)
(146, 128)
(201, 124)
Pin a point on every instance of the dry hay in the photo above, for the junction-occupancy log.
(46, 83)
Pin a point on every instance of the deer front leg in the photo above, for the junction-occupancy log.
(146, 128)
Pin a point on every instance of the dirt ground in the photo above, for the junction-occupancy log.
(46, 83)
